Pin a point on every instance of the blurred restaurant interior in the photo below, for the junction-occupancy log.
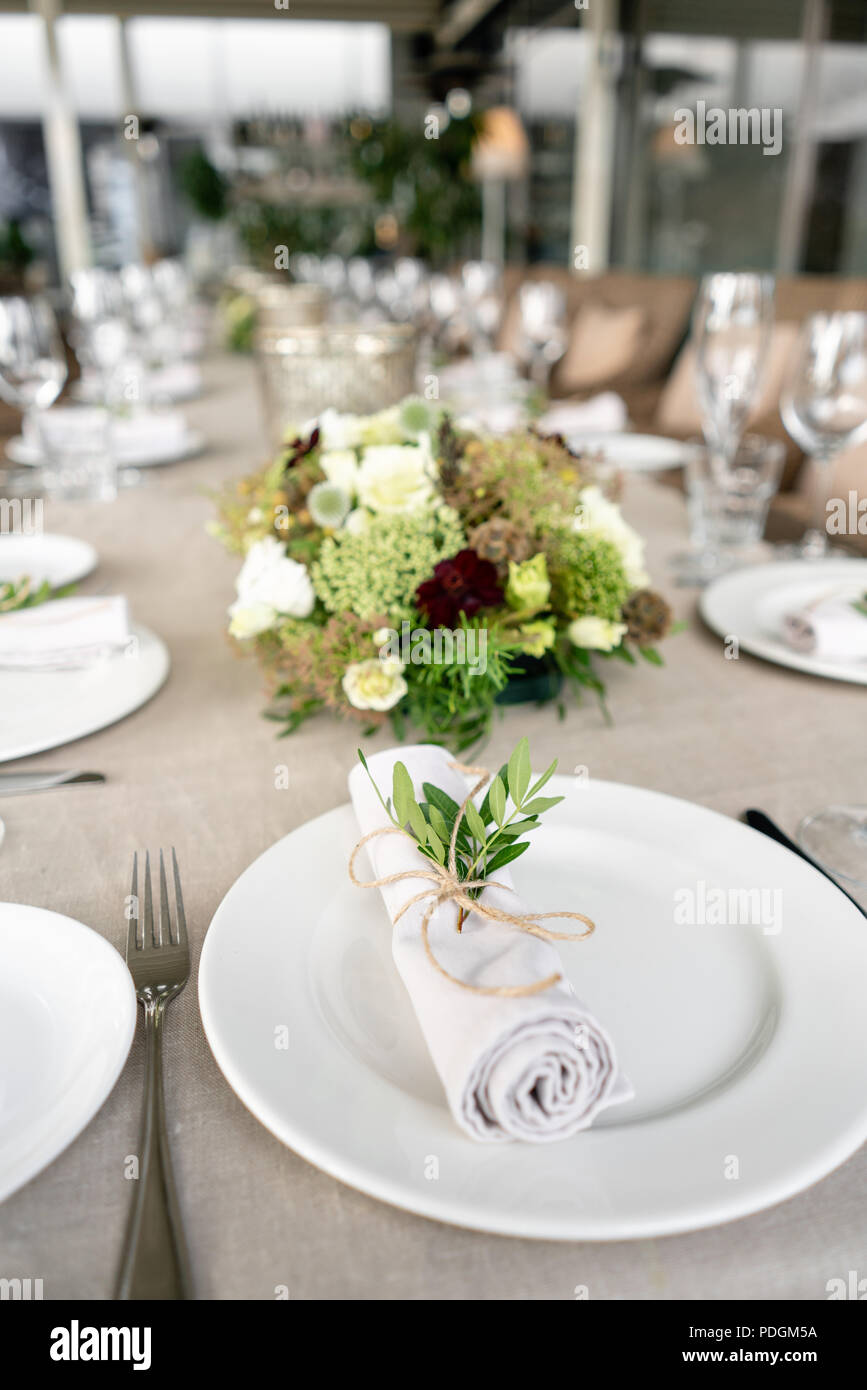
(373, 151)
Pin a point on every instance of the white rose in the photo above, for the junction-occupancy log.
(603, 518)
(374, 684)
(250, 618)
(269, 582)
(338, 432)
(340, 467)
(596, 634)
(395, 478)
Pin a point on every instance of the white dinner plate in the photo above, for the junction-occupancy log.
(750, 604)
(747, 1049)
(634, 453)
(136, 454)
(67, 1019)
(43, 709)
(59, 560)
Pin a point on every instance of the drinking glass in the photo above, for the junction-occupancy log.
(78, 455)
(727, 504)
(732, 331)
(837, 839)
(32, 360)
(824, 404)
(543, 327)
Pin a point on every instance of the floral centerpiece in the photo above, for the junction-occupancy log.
(395, 567)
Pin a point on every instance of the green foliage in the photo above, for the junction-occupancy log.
(20, 593)
(204, 186)
(16, 253)
(587, 575)
(486, 838)
(378, 570)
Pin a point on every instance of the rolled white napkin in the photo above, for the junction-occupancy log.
(63, 632)
(832, 630)
(602, 414)
(537, 1067)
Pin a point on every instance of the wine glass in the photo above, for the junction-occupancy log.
(731, 330)
(824, 404)
(542, 307)
(32, 360)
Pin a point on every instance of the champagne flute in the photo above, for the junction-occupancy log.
(731, 329)
(32, 360)
(824, 405)
(542, 307)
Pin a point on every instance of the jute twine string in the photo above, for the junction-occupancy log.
(445, 886)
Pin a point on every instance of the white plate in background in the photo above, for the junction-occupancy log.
(750, 604)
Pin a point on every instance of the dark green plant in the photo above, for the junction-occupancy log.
(204, 186)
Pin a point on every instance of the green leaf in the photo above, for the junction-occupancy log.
(438, 821)
(505, 856)
(475, 822)
(486, 812)
(498, 801)
(442, 801)
(541, 804)
(436, 845)
(546, 777)
(402, 794)
(652, 655)
(418, 823)
(519, 771)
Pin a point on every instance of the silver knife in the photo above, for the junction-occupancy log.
(17, 783)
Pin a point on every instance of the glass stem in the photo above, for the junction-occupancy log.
(815, 541)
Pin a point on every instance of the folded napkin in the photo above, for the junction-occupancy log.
(149, 431)
(602, 414)
(833, 630)
(536, 1067)
(63, 632)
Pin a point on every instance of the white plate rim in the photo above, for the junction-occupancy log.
(126, 990)
(194, 443)
(93, 726)
(759, 577)
(832, 1154)
(89, 557)
(597, 439)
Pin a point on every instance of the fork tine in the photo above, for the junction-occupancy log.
(179, 902)
(132, 924)
(148, 938)
(165, 916)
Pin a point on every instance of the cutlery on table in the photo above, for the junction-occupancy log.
(16, 783)
(759, 821)
(155, 1262)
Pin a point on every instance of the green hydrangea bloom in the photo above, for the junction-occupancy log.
(587, 576)
(376, 572)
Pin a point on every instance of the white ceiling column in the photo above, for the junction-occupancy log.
(129, 99)
(63, 153)
(593, 168)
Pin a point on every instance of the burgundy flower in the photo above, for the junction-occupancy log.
(299, 448)
(463, 584)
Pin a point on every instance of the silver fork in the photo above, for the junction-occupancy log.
(155, 1263)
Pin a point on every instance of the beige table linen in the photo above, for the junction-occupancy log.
(197, 768)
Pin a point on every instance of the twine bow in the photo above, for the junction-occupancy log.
(445, 886)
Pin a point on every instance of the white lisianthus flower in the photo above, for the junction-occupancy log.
(338, 432)
(395, 478)
(596, 634)
(250, 618)
(374, 684)
(603, 518)
(383, 428)
(269, 586)
(340, 467)
(357, 521)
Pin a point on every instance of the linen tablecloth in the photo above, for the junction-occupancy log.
(196, 768)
